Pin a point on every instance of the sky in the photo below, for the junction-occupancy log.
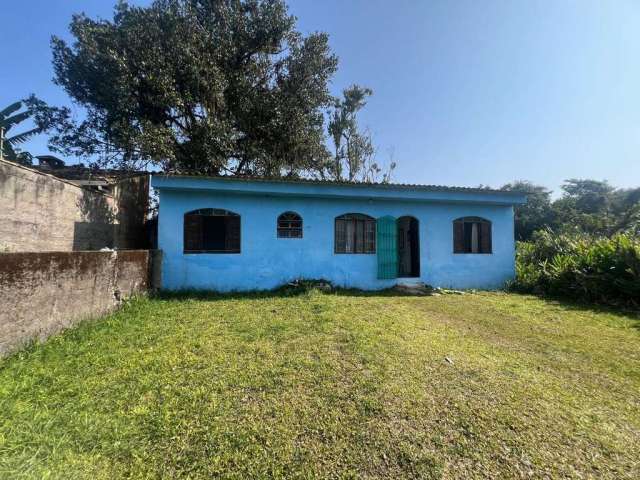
(465, 92)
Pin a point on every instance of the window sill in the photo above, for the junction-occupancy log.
(471, 253)
(354, 253)
(215, 252)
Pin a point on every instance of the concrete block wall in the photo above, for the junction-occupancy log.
(42, 293)
(39, 212)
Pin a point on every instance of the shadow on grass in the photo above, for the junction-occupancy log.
(580, 305)
(304, 288)
(286, 291)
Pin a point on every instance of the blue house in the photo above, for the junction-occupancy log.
(226, 234)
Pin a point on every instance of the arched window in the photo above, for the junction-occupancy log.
(289, 225)
(355, 233)
(211, 230)
(471, 235)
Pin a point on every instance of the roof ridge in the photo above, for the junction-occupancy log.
(316, 181)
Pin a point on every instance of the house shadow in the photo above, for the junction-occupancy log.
(573, 305)
(284, 291)
(288, 291)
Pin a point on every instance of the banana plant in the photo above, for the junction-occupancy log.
(9, 118)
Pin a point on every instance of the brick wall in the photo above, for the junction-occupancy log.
(39, 212)
(45, 292)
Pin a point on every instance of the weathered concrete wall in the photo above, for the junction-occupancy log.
(43, 293)
(39, 212)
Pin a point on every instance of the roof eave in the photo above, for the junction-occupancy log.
(338, 191)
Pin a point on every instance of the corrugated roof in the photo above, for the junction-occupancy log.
(313, 181)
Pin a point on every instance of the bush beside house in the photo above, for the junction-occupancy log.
(594, 269)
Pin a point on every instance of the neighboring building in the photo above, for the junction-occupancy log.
(226, 233)
(40, 212)
(97, 179)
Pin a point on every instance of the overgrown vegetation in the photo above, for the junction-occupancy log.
(580, 266)
(340, 385)
(584, 245)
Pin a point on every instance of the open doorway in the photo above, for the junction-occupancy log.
(408, 247)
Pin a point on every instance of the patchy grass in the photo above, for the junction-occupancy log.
(328, 385)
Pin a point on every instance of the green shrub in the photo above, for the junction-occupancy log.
(594, 269)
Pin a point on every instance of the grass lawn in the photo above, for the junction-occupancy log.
(329, 385)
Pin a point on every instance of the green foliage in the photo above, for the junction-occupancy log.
(594, 269)
(535, 213)
(354, 151)
(194, 85)
(10, 117)
(586, 206)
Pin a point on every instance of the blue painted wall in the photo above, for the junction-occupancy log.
(267, 262)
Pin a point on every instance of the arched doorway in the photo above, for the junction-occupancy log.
(408, 247)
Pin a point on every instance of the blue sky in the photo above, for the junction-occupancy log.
(465, 92)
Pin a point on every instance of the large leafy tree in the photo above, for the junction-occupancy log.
(586, 206)
(10, 117)
(533, 215)
(626, 205)
(215, 86)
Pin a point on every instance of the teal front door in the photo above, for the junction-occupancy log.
(387, 247)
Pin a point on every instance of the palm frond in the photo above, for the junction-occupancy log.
(9, 122)
(23, 137)
(14, 107)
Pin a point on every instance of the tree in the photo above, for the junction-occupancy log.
(626, 206)
(354, 153)
(9, 119)
(590, 196)
(215, 86)
(587, 206)
(534, 215)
